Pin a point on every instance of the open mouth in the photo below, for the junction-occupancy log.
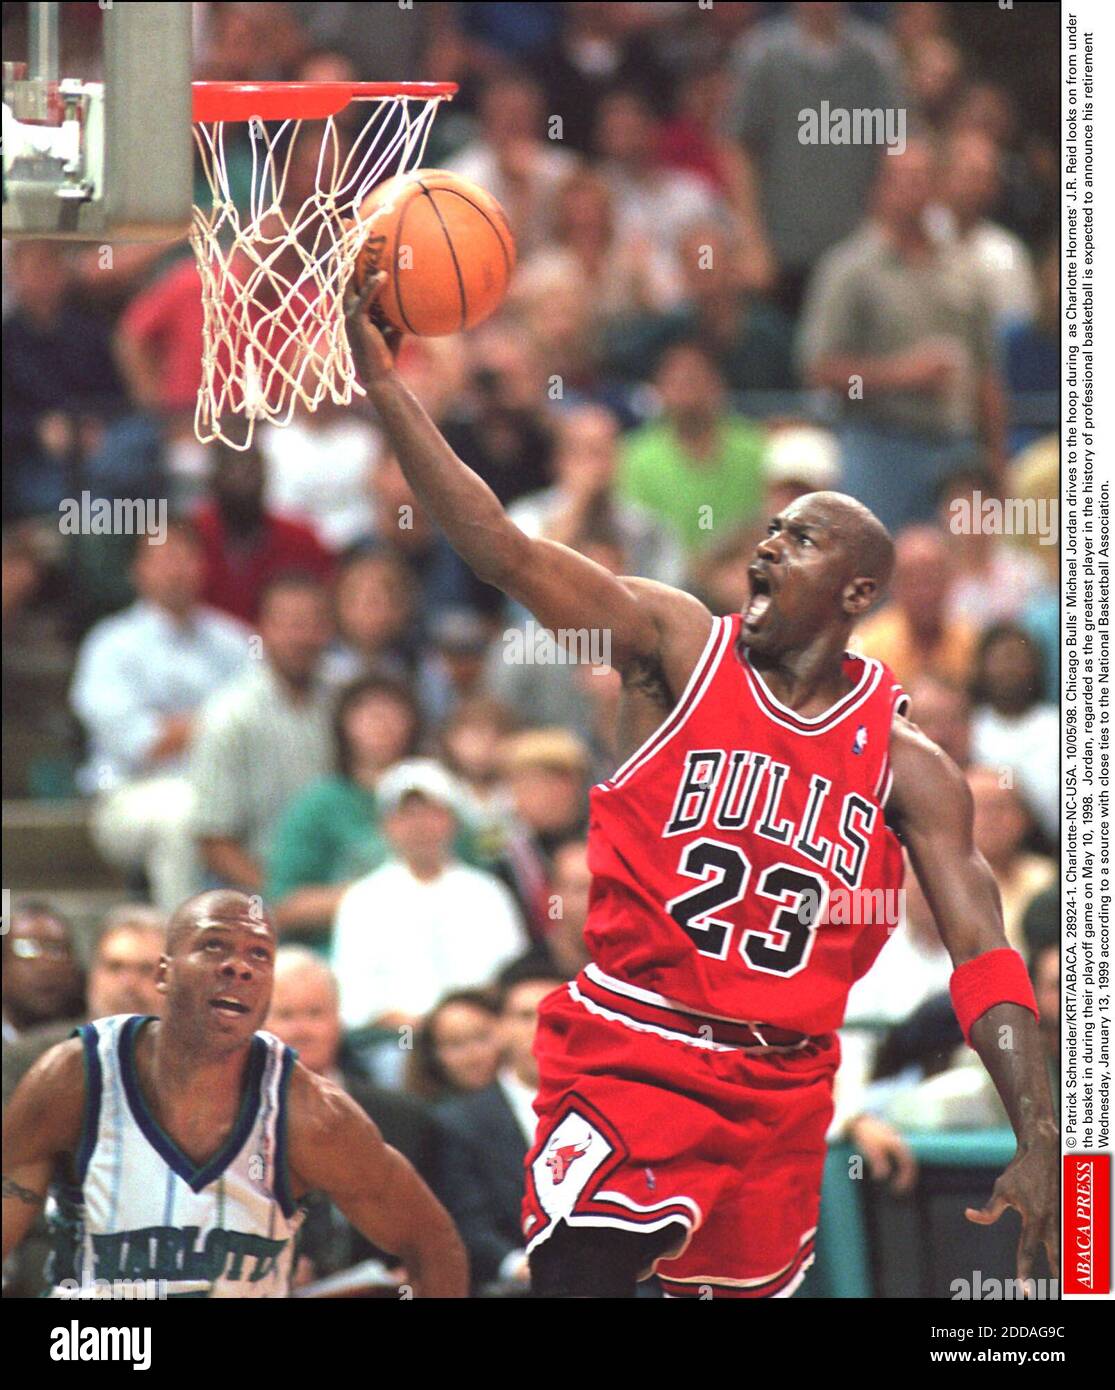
(225, 1004)
(756, 611)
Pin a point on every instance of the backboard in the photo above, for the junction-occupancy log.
(113, 159)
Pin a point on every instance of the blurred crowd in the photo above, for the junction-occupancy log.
(301, 692)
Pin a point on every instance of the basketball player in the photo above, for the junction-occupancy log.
(738, 853)
(188, 1142)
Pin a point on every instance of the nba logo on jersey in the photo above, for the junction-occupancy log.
(859, 743)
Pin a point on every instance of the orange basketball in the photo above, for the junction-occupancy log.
(446, 247)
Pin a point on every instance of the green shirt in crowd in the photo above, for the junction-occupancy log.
(330, 833)
(702, 500)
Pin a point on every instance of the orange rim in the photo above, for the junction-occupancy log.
(301, 101)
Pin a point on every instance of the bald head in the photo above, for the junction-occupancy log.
(295, 964)
(867, 541)
(220, 905)
(305, 1008)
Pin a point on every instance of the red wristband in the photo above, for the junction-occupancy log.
(996, 977)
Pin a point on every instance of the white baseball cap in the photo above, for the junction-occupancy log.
(803, 454)
(421, 776)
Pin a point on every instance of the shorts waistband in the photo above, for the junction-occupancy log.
(640, 1007)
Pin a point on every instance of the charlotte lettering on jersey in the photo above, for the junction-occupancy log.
(749, 797)
(174, 1253)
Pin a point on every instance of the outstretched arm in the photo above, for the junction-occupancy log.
(42, 1122)
(932, 810)
(562, 588)
(336, 1149)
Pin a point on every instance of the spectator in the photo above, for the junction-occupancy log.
(141, 679)
(992, 580)
(654, 204)
(818, 54)
(1002, 824)
(59, 384)
(41, 981)
(245, 545)
(456, 1046)
(1012, 726)
(1032, 358)
(124, 971)
(511, 159)
(453, 669)
(305, 1014)
(471, 739)
(591, 56)
(423, 922)
(699, 467)
(563, 953)
(582, 498)
(546, 770)
(375, 605)
(328, 836)
(935, 77)
(499, 427)
(318, 470)
(1028, 162)
(623, 273)
(121, 980)
(969, 191)
(753, 341)
(402, 528)
(265, 737)
(896, 325)
(914, 633)
(943, 712)
(487, 1134)
(159, 344)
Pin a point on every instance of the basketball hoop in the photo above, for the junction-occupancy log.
(273, 273)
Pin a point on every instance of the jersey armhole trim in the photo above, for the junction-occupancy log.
(284, 1193)
(91, 1108)
(703, 671)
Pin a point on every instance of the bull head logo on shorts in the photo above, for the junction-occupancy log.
(559, 1159)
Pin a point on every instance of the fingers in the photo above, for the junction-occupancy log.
(1028, 1248)
(358, 302)
(905, 1170)
(988, 1215)
(1052, 1242)
(877, 1163)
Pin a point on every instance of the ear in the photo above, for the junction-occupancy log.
(859, 595)
(162, 975)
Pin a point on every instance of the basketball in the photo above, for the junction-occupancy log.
(446, 246)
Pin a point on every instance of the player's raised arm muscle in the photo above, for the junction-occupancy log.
(42, 1122)
(336, 1149)
(562, 588)
(932, 810)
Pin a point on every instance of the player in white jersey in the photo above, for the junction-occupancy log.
(180, 1148)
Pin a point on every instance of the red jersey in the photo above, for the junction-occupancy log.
(739, 854)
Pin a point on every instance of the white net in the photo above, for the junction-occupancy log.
(274, 269)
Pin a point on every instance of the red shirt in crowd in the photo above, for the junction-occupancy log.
(235, 577)
(166, 319)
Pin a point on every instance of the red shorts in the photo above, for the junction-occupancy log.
(648, 1116)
